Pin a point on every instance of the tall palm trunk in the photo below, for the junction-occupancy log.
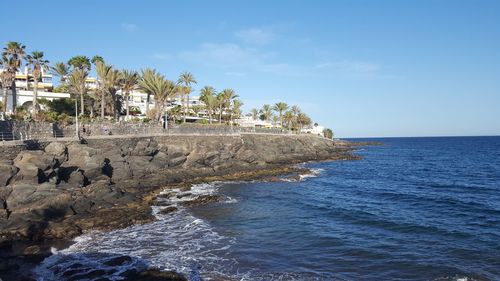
(187, 106)
(14, 96)
(220, 114)
(4, 99)
(210, 116)
(82, 106)
(184, 111)
(35, 97)
(126, 106)
(103, 104)
(147, 104)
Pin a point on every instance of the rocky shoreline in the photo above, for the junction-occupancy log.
(52, 192)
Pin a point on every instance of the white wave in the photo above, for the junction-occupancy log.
(314, 172)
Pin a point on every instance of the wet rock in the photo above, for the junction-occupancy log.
(32, 250)
(182, 195)
(168, 210)
(155, 275)
(201, 200)
(118, 261)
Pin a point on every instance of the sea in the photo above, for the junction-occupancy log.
(410, 209)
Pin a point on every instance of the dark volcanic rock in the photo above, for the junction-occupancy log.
(58, 190)
(168, 210)
(201, 200)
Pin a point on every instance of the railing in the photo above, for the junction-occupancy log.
(47, 131)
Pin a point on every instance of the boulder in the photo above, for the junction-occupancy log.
(168, 210)
(177, 161)
(89, 160)
(146, 147)
(58, 150)
(34, 166)
(7, 171)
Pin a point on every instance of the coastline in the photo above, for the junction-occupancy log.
(137, 208)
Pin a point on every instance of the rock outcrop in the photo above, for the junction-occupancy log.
(57, 189)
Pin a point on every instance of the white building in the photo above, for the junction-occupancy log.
(25, 82)
(314, 129)
(137, 99)
(248, 121)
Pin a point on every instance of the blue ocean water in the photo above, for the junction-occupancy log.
(411, 209)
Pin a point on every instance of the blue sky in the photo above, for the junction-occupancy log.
(364, 68)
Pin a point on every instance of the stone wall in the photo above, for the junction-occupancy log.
(46, 183)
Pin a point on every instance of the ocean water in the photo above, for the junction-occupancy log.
(411, 209)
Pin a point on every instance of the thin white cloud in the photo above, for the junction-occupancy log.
(256, 36)
(236, 74)
(236, 60)
(224, 55)
(130, 27)
(348, 65)
(162, 56)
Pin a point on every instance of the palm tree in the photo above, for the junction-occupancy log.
(228, 95)
(37, 64)
(103, 72)
(80, 62)
(288, 118)
(13, 53)
(255, 113)
(5, 80)
(186, 79)
(146, 84)
(128, 82)
(162, 89)
(303, 120)
(60, 70)
(236, 110)
(266, 112)
(96, 59)
(112, 83)
(220, 101)
(280, 107)
(77, 84)
(207, 96)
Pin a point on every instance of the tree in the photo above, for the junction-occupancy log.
(236, 110)
(280, 107)
(303, 120)
(5, 80)
(254, 113)
(60, 70)
(186, 79)
(207, 96)
(37, 64)
(103, 71)
(13, 54)
(266, 112)
(288, 119)
(82, 65)
(146, 84)
(128, 82)
(226, 99)
(328, 133)
(163, 89)
(96, 59)
(76, 84)
(80, 62)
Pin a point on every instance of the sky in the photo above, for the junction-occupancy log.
(363, 68)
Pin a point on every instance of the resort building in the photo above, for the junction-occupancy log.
(314, 129)
(25, 82)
